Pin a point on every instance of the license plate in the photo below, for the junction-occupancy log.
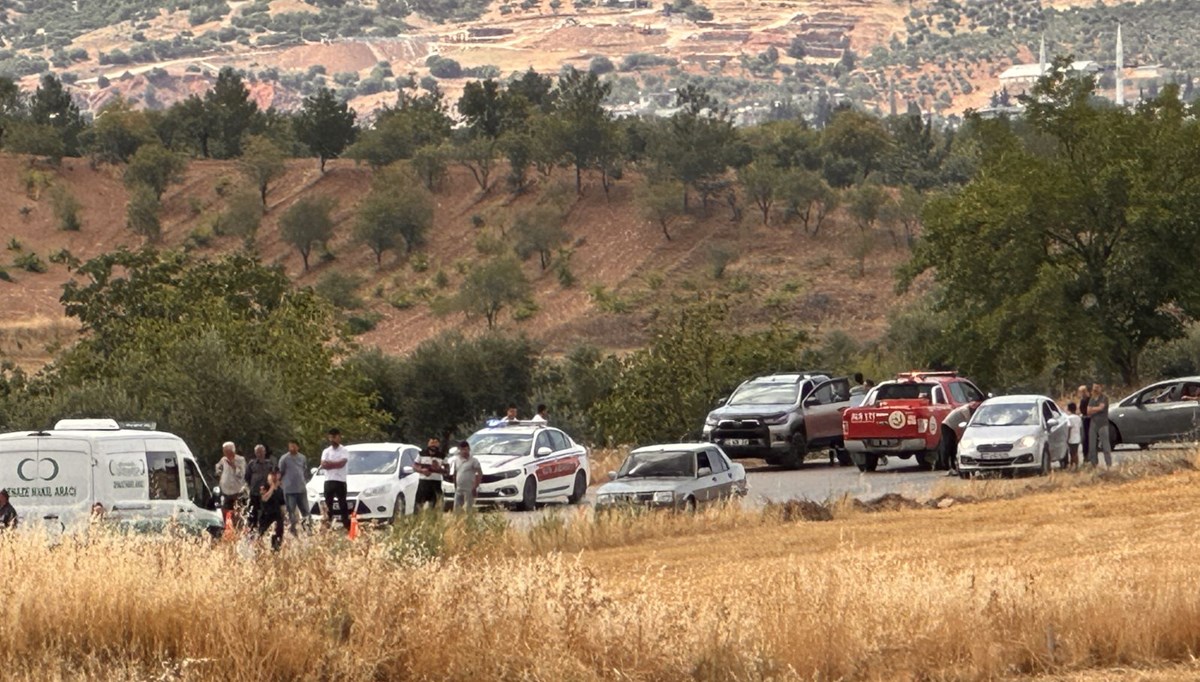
(737, 441)
(993, 455)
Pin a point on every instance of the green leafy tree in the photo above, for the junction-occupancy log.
(262, 162)
(478, 155)
(118, 132)
(811, 199)
(142, 213)
(539, 230)
(663, 392)
(698, 143)
(397, 210)
(865, 204)
(213, 350)
(764, 183)
(660, 202)
(25, 137)
(229, 113)
(857, 138)
(13, 106)
(415, 122)
(484, 107)
(491, 286)
(51, 105)
(325, 125)
(429, 164)
(1055, 257)
(154, 166)
(584, 128)
(307, 222)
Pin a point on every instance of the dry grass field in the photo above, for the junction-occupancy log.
(1080, 578)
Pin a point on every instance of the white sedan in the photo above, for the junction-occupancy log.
(1013, 433)
(380, 483)
(524, 464)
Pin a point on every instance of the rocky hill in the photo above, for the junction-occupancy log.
(945, 55)
(621, 267)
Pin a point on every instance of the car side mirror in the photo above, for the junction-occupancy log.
(991, 395)
(1052, 422)
(543, 451)
(722, 400)
(406, 471)
(612, 475)
(962, 425)
(811, 401)
(704, 471)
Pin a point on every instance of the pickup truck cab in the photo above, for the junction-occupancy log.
(918, 414)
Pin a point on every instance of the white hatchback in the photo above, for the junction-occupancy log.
(525, 463)
(380, 483)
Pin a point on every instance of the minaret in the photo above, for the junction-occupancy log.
(1120, 98)
(1042, 57)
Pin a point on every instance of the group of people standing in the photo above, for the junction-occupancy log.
(269, 490)
(1088, 426)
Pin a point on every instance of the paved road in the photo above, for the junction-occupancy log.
(819, 481)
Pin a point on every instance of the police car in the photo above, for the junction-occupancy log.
(524, 464)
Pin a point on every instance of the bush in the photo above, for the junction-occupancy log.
(66, 209)
(601, 65)
(30, 262)
(361, 324)
(443, 67)
(341, 290)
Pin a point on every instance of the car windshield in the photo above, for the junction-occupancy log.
(765, 394)
(372, 462)
(510, 444)
(659, 464)
(904, 391)
(1014, 414)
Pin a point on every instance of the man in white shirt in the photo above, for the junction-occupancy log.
(1074, 433)
(543, 414)
(231, 479)
(333, 462)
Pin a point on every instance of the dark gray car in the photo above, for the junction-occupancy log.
(1161, 412)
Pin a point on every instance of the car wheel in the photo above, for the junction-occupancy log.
(926, 459)
(797, 449)
(1045, 469)
(398, 509)
(869, 462)
(529, 495)
(946, 450)
(964, 475)
(689, 505)
(1114, 436)
(579, 490)
(843, 457)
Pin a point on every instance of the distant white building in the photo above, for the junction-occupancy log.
(1020, 76)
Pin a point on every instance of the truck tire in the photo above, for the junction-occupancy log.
(946, 450)
(798, 448)
(926, 459)
(870, 461)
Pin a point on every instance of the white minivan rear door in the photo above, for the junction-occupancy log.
(49, 480)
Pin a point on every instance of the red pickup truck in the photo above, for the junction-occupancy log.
(915, 415)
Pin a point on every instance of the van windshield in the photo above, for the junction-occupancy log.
(372, 462)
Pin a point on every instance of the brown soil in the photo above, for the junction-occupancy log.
(809, 282)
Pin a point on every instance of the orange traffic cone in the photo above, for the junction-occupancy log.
(229, 525)
(354, 525)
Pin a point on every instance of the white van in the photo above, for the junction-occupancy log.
(143, 478)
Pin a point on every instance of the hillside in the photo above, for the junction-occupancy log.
(624, 269)
(945, 55)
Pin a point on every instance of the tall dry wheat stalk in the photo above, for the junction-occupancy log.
(1078, 579)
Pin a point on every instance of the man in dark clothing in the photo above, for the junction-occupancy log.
(8, 515)
(430, 466)
(257, 471)
(1098, 436)
(271, 503)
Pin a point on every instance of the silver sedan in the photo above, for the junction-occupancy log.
(1016, 432)
(677, 476)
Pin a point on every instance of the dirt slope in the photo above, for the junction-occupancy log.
(778, 274)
